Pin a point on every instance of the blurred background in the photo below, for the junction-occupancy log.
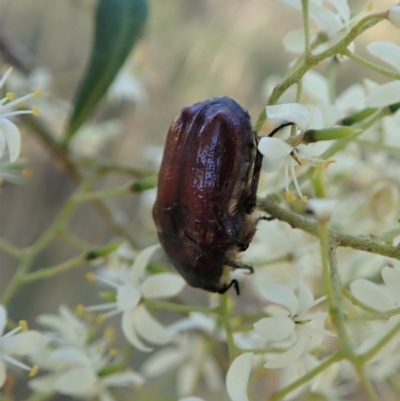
(191, 50)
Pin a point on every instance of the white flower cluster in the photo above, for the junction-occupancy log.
(77, 365)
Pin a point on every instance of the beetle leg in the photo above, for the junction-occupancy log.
(236, 265)
(233, 283)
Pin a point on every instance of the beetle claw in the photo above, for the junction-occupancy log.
(233, 283)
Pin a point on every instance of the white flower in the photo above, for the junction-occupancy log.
(293, 325)
(278, 153)
(9, 133)
(66, 327)
(130, 289)
(192, 359)
(393, 15)
(384, 95)
(16, 343)
(382, 298)
(238, 376)
(79, 372)
(388, 52)
(322, 208)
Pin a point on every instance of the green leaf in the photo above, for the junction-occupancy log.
(119, 24)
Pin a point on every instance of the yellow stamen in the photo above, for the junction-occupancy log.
(26, 173)
(370, 7)
(113, 352)
(79, 309)
(329, 319)
(290, 196)
(99, 319)
(24, 325)
(304, 198)
(35, 111)
(328, 162)
(90, 277)
(351, 312)
(138, 386)
(109, 333)
(34, 371)
(37, 93)
(236, 321)
(10, 96)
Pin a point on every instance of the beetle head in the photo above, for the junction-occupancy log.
(202, 266)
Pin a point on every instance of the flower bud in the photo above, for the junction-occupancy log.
(322, 208)
(328, 134)
(393, 15)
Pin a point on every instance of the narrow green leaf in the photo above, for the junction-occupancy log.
(119, 24)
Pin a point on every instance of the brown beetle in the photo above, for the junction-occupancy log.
(207, 188)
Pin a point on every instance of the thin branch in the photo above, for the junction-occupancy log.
(338, 239)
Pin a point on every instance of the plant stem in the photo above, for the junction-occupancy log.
(338, 239)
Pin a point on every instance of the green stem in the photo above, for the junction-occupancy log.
(381, 343)
(109, 193)
(361, 243)
(306, 378)
(365, 382)
(336, 309)
(10, 249)
(52, 271)
(226, 317)
(306, 26)
(384, 71)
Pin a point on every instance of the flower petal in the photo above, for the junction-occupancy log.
(275, 328)
(162, 285)
(371, 294)
(162, 361)
(292, 112)
(13, 138)
(43, 384)
(393, 15)
(127, 379)
(76, 382)
(288, 357)
(186, 379)
(322, 208)
(141, 261)
(238, 376)
(304, 296)
(3, 319)
(391, 277)
(128, 328)
(275, 152)
(388, 52)
(70, 356)
(24, 343)
(384, 95)
(149, 328)
(282, 295)
(128, 297)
